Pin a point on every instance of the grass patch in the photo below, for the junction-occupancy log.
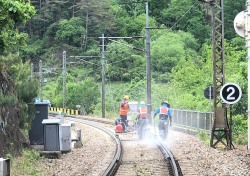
(25, 165)
(241, 138)
(204, 136)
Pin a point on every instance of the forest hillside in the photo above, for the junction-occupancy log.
(37, 32)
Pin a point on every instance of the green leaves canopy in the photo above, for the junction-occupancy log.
(70, 31)
(168, 49)
(12, 12)
(123, 63)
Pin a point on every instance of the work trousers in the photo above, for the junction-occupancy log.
(163, 128)
(124, 120)
(141, 129)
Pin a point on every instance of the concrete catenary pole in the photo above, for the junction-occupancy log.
(103, 78)
(41, 79)
(32, 70)
(148, 66)
(64, 80)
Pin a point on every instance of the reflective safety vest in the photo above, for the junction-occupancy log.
(143, 112)
(164, 110)
(124, 109)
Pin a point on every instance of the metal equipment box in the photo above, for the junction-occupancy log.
(4, 167)
(51, 134)
(65, 137)
(36, 131)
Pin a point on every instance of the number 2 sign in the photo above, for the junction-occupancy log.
(230, 93)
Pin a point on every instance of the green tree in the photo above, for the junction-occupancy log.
(16, 93)
(192, 75)
(168, 49)
(13, 103)
(99, 18)
(13, 12)
(123, 62)
(84, 93)
(188, 15)
(236, 70)
(70, 32)
(231, 9)
(25, 86)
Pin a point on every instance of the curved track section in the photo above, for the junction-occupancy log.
(115, 163)
(133, 157)
(170, 158)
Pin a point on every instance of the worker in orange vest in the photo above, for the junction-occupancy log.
(142, 120)
(124, 107)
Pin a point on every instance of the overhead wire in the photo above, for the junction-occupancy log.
(126, 45)
(156, 28)
(138, 48)
(179, 19)
(184, 14)
(81, 60)
(108, 74)
(118, 61)
(175, 24)
(110, 88)
(107, 71)
(109, 84)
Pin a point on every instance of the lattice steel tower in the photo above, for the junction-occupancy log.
(220, 129)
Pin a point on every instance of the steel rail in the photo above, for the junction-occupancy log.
(116, 161)
(114, 165)
(168, 156)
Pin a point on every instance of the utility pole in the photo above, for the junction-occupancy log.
(64, 79)
(41, 79)
(103, 78)
(148, 66)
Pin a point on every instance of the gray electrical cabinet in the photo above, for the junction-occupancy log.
(36, 131)
(4, 167)
(51, 134)
(65, 137)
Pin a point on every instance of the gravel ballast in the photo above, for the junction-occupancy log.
(196, 157)
(193, 155)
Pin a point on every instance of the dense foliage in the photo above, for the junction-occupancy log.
(17, 87)
(180, 51)
(12, 13)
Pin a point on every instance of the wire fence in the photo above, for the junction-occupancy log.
(192, 120)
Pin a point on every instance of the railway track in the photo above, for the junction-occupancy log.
(194, 156)
(131, 156)
(115, 163)
(146, 157)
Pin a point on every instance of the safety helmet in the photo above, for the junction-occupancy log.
(126, 96)
(164, 102)
(142, 102)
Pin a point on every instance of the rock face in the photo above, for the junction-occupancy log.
(10, 135)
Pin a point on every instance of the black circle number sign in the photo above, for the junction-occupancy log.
(230, 93)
